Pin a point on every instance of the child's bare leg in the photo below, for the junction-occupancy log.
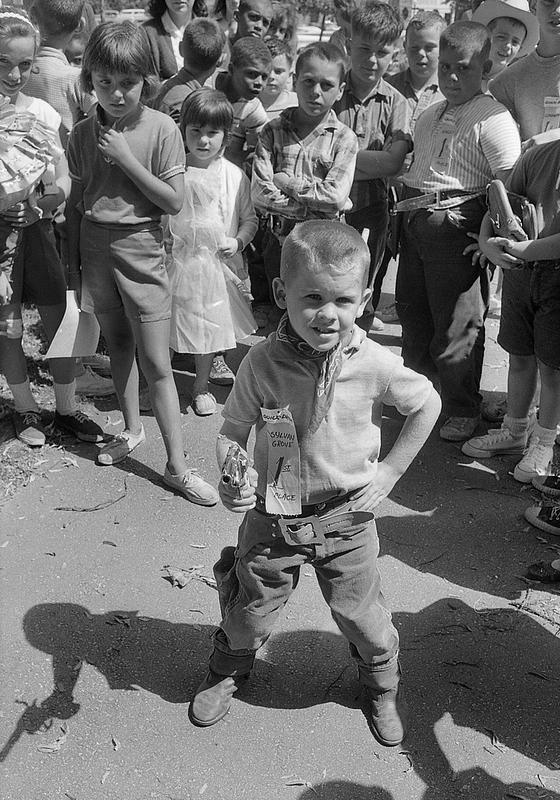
(12, 359)
(153, 350)
(522, 382)
(203, 365)
(119, 336)
(63, 370)
(549, 407)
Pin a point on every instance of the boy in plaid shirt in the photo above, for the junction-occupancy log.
(304, 161)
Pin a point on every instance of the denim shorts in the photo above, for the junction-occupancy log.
(530, 319)
(124, 266)
(37, 272)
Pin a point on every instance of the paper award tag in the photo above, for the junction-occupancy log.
(443, 141)
(283, 489)
(551, 118)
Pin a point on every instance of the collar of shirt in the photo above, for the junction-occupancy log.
(54, 52)
(408, 82)
(380, 89)
(121, 124)
(186, 76)
(329, 122)
(170, 27)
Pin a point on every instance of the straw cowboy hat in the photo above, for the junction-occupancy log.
(516, 9)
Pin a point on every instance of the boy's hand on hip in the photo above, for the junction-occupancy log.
(240, 499)
(371, 495)
(114, 146)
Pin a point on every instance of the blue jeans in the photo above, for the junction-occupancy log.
(442, 300)
(256, 579)
(375, 218)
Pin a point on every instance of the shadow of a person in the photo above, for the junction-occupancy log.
(130, 651)
(344, 790)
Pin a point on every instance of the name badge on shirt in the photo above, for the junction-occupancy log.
(443, 141)
(283, 488)
(551, 118)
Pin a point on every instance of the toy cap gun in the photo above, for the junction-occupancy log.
(235, 468)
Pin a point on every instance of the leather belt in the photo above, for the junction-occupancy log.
(315, 528)
(438, 200)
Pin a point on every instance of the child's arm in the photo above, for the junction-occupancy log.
(372, 164)
(329, 194)
(267, 197)
(244, 136)
(166, 194)
(494, 247)
(545, 249)
(246, 219)
(410, 440)
(242, 499)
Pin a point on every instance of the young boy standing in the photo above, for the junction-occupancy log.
(277, 94)
(242, 84)
(460, 144)
(514, 31)
(314, 393)
(304, 160)
(380, 118)
(201, 48)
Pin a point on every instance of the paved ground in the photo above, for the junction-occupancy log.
(87, 607)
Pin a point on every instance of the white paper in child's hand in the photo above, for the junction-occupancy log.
(283, 485)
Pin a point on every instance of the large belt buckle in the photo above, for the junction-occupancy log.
(299, 531)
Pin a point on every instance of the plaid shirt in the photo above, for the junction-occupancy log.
(418, 99)
(321, 168)
(381, 118)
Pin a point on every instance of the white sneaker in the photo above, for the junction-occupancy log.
(220, 374)
(536, 461)
(499, 442)
(94, 385)
(376, 325)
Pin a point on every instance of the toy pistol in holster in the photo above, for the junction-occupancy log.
(235, 468)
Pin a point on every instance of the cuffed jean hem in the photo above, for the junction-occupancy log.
(381, 678)
(227, 662)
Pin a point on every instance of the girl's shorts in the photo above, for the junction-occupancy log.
(530, 316)
(37, 272)
(124, 266)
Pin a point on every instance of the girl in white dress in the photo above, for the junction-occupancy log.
(211, 303)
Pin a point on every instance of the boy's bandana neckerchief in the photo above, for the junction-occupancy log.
(330, 369)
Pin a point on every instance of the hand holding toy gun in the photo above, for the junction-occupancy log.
(235, 468)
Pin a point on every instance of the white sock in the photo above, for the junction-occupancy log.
(517, 425)
(23, 399)
(545, 436)
(65, 397)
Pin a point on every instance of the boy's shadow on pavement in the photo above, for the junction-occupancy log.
(489, 670)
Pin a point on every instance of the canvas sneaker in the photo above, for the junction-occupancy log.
(457, 429)
(204, 404)
(90, 384)
(548, 485)
(536, 461)
(120, 447)
(29, 428)
(499, 442)
(220, 374)
(192, 486)
(546, 517)
(80, 425)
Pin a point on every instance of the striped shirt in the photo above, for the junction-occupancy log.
(381, 118)
(321, 167)
(462, 147)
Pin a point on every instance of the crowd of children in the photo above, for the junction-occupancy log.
(174, 192)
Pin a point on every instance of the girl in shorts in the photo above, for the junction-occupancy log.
(126, 164)
(30, 269)
(216, 223)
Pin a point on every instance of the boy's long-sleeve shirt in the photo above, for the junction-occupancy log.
(378, 120)
(320, 167)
